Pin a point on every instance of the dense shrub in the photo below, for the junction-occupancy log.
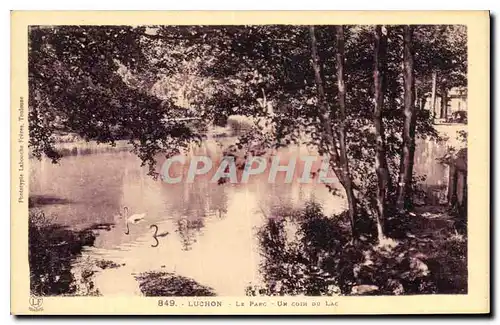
(52, 249)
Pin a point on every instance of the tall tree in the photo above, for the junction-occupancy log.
(347, 180)
(444, 101)
(408, 150)
(433, 93)
(381, 167)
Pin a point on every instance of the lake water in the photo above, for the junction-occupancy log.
(212, 228)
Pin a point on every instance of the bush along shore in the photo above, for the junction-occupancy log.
(52, 250)
(308, 253)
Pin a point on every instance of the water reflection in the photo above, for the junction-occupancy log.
(301, 250)
(188, 231)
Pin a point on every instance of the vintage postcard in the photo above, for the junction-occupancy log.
(187, 163)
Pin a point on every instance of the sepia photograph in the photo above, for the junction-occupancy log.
(245, 160)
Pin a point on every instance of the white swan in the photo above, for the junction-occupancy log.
(134, 219)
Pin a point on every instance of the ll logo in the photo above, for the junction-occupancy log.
(36, 303)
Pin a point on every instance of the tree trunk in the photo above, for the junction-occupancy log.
(444, 101)
(416, 94)
(408, 151)
(422, 102)
(452, 186)
(351, 199)
(381, 167)
(433, 95)
(337, 161)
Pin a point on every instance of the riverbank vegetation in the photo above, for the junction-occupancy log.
(52, 250)
(308, 253)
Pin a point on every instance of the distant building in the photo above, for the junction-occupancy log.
(456, 100)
